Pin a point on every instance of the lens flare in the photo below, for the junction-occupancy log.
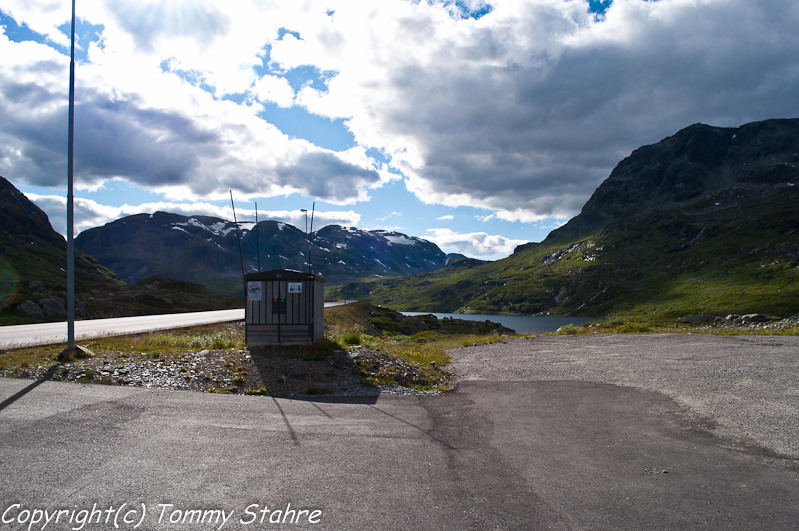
(9, 284)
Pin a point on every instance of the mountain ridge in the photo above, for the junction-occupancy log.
(704, 220)
(205, 250)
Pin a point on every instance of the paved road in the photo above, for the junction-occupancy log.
(495, 454)
(50, 333)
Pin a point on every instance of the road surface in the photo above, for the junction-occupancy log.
(510, 449)
(15, 336)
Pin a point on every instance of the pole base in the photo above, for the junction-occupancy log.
(76, 352)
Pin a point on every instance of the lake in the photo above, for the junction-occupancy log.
(523, 324)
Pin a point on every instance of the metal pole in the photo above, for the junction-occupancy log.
(70, 197)
(238, 237)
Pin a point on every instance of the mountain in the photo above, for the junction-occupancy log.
(705, 220)
(205, 250)
(33, 261)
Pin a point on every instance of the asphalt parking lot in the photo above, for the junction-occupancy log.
(612, 432)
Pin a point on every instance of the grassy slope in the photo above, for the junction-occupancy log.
(740, 258)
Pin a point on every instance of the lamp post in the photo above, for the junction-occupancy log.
(70, 199)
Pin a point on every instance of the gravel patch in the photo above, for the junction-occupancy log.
(263, 371)
(748, 386)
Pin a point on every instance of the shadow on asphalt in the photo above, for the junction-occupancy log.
(299, 373)
(322, 399)
(22, 392)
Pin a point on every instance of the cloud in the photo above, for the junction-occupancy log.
(474, 244)
(137, 120)
(448, 217)
(520, 108)
(274, 89)
(392, 214)
(90, 214)
(525, 110)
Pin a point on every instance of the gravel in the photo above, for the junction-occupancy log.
(264, 370)
(746, 386)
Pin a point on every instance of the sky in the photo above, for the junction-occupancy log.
(478, 125)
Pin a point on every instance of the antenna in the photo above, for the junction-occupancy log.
(306, 232)
(238, 237)
(257, 240)
(310, 239)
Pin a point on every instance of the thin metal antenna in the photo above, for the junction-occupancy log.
(310, 239)
(238, 237)
(306, 231)
(257, 240)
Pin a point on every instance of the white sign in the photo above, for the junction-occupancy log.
(253, 291)
(295, 287)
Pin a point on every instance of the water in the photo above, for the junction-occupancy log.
(523, 324)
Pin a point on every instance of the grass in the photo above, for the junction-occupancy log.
(425, 348)
(164, 344)
(637, 324)
(45, 356)
(376, 328)
(148, 346)
(423, 353)
(316, 389)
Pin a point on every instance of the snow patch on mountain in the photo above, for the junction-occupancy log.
(399, 239)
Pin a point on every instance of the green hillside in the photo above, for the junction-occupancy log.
(706, 220)
(33, 282)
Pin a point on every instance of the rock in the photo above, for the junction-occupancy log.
(32, 309)
(37, 285)
(757, 318)
(701, 318)
(53, 307)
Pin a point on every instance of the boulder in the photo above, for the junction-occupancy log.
(53, 307)
(757, 318)
(702, 318)
(32, 309)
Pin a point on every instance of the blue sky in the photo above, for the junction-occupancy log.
(478, 125)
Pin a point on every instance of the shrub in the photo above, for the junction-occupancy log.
(351, 338)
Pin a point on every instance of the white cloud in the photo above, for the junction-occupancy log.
(90, 214)
(474, 244)
(521, 112)
(138, 122)
(448, 217)
(274, 89)
(392, 214)
(526, 110)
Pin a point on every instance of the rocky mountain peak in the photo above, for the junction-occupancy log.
(21, 218)
(695, 163)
